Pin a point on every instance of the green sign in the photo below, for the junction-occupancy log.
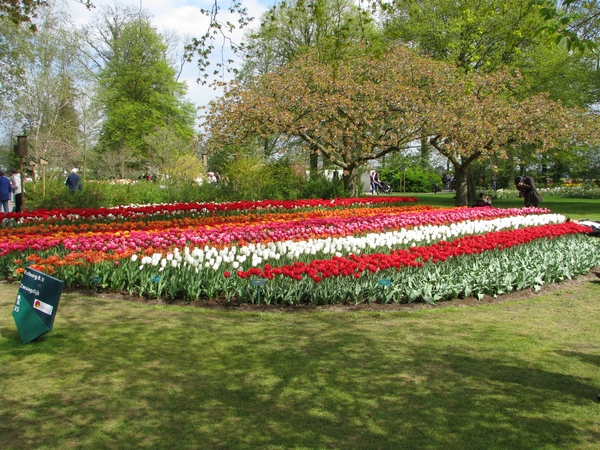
(384, 282)
(36, 304)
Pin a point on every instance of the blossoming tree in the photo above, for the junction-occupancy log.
(480, 115)
(350, 112)
(362, 109)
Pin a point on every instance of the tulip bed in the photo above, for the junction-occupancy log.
(374, 249)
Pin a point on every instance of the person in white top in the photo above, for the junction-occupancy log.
(15, 178)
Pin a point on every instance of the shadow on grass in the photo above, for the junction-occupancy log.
(584, 357)
(115, 377)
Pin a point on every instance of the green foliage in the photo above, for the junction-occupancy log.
(139, 90)
(474, 35)
(414, 179)
(321, 187)
(288, 29)
(246, 178)
(57, 195)
(250, 178)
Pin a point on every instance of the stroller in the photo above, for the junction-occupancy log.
(384, 187)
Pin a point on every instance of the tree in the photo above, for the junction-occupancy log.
(478, 115)
(23, 11)
(11, 46)
(574, 21)
(474, 35)
(137, 86)
(360, 110)
(332, 29)
(490, 36)
(173, 155)
(44, 103)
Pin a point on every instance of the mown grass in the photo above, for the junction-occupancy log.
(574, 208)
(523, 374)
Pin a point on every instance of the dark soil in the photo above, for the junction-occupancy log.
(222, 304)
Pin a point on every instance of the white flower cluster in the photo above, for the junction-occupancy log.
(259, 253)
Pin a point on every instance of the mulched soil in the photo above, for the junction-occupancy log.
(222, 304)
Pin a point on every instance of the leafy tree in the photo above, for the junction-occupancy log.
(574, 21)
(478, 115)
(137, 86)
(44, 103)
(472, 34)
(358, 111)
(23, 11)
(494, 35)
(173, 155)
(332, 29)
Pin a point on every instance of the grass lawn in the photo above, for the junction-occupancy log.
(113, 374)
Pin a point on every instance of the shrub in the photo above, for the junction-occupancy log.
(418, 179)
(246, 179)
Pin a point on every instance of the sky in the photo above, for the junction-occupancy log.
(183, 17)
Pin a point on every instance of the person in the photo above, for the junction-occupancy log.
(528, 191)
(372, 182)
(483, 201)
(73, 181)
(15, 179)
(592, 224)
(378, 185)
(5, 190)
(495, 182)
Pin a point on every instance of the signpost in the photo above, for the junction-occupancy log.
(258, 282)
(36, 304)
(383, 282)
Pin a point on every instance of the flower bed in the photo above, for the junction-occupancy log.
(374, 249)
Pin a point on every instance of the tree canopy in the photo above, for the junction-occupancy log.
(370, 106)
(139, 91)
(23, 11)
(363, 109)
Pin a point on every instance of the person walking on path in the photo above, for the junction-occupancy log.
(15, 178)
(373, 183)
(5, 190)
(73, 181)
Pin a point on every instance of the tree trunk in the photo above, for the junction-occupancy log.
(425, 152)
(460, 175)
(470, 181)
(314, 161)
(349, 179)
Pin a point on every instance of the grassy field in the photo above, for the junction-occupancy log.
(114, 374)
(522, 374)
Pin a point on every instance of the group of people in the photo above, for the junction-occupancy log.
(527, 191)
(10, 190)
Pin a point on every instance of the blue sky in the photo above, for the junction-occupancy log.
(184, 18)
